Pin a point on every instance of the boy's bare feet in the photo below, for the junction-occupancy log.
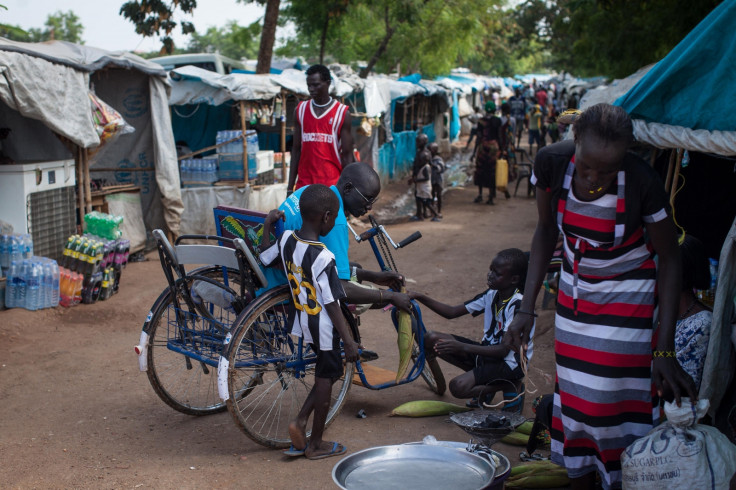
(325, 450)
(298, 434)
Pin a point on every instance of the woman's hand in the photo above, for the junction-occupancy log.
(672, 381)
(517, 336)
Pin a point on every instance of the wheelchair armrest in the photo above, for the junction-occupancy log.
(164, 246)
(243, 249)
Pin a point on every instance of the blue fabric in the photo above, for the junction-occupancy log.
(271, 141)
(397, 157)
(413, 78)
(429, 131)
(455, 118)
(336, 241)
(693, 86)
(198, 124)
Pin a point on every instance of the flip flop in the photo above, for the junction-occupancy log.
(334, 452)
(294, 452)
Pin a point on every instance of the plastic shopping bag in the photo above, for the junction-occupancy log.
(680, 453)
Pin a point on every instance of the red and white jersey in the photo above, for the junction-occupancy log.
(320, 162)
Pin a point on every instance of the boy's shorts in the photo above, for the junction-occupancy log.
(329, 364)
(535, 136)
(489, 369)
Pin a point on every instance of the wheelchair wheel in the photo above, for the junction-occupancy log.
(182, 381)
(270, 373)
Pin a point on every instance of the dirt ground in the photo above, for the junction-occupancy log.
(75, 412)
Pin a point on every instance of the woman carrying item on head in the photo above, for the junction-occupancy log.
(602, 199)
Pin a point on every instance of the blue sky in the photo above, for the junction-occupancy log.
(105, 28)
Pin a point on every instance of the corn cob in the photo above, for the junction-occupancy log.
(405, 339)
(516, 439)
(539, 481)
(526, 427)
(427, 408)
(532, 467)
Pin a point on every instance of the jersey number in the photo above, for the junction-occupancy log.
(296, 289)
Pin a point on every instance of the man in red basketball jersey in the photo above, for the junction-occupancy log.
(323, 144)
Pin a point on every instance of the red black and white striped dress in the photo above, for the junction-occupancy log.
(604, 397)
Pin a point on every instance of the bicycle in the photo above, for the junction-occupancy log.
(265, 372)
(184, 332)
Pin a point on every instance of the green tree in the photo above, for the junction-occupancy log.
(59, 26)
(155, 17)
(317, 21)
(232, 40)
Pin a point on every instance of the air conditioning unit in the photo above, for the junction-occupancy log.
(39, 198)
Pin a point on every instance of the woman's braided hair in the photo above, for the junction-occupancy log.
(608, 122)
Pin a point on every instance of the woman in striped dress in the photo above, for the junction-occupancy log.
(602, 199)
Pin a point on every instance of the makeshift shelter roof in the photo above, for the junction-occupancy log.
(27, 70)
(688, 99)
(50, 82)
(193, 85)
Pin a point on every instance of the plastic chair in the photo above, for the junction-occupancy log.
(523, 166)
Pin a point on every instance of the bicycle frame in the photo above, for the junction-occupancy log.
(378, 231)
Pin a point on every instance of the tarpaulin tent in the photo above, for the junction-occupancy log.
(688, 99)
(49, 82)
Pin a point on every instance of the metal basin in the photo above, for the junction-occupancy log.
(409, 466)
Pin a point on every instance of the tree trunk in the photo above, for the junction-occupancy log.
(381, 48)
(268, 37)
(323, 40)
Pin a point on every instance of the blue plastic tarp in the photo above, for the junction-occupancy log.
(693, 86)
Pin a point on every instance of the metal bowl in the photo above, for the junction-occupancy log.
(502, 468)
(409, 466)
(470, 422)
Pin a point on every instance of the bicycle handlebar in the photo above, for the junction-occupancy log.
(411, 238)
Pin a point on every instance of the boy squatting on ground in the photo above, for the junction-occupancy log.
(487, 362)
(317, 292)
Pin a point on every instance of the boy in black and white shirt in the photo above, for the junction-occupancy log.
(316, 293)
(488, 361)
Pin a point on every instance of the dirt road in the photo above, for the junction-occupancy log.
(75, 412)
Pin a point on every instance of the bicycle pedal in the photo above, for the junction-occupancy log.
(368, 355)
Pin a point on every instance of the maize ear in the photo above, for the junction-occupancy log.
(536, 468)
(404, 340)
(532, 467)
(539, 481)
(427, 408)
(516, 439)
(526, 427)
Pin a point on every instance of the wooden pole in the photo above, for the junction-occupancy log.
(406, 107)
(670, 167)
(653, 157)
(80, 188)
(245, 143)
(414, 110)
(284, 176)
(87, 186)
(673, 190)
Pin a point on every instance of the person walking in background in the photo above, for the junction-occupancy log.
(602, 198)
(473, 119)
(486, 152)
(535, 129)
(517, 104)
(438, 180)
(323, 143)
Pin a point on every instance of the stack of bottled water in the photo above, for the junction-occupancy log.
(200, 170)
(104, 225)
(15, 248)
(32, 284)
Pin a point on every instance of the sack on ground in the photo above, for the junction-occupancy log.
(680, 453)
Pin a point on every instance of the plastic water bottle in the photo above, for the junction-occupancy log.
(27, 242)
(55, 284)
(16, 248)
(4, 251)
(34, 285)
(11, 288)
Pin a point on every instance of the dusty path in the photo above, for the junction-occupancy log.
(75, 412)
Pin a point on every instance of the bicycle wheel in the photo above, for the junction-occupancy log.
(269, 373)
(432, 373)
(185, 383)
